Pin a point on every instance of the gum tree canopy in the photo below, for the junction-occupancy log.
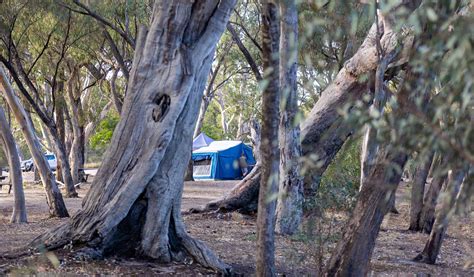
(134, 204)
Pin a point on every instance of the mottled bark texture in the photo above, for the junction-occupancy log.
(15, 176)
(290, 195)
(418, 192)
(269, 150)
(443, 216)
(54, 198)
(133, 206)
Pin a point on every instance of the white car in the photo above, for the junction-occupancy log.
(27, 165)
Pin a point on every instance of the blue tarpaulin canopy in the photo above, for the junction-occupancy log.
(201, 141)
(220, 160)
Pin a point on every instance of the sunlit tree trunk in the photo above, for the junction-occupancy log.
(15, 176)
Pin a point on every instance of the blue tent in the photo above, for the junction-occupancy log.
(220, 160)
(201, 141)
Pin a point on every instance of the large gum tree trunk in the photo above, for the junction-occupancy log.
(54, 198)
(440, 226)
(418, 192)
(15, 175)
(290, 195)
(134, 203)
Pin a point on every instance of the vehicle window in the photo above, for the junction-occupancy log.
(50, 157)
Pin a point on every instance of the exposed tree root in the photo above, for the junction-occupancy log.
(243, 197)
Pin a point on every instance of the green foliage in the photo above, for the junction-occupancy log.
(340, 183)
(101, 139)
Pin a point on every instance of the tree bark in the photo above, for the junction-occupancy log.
(76, 156)
(269, 142)
(53, 195)
(352, 254)
(15, 175)
(290, 196)
(133, 206)
(433, 245)
(418, 192)
(430, 200)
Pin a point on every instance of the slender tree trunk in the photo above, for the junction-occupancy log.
(433, 245)
(15, 176)
(134, 204)
(430, 200)
(224, 124)
(61, 156)
(207, 97)
(53, 195)
(352, 254)
(115, 96)
(418, 192)
(76, 155)
(290, 196)
(269, 142)
(202, 113)
(60, 123)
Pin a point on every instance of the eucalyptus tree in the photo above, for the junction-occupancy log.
(8, 143)
(133, 205)
(269, 150)
(27, 65)
(53, 195)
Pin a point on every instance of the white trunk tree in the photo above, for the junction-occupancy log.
(53, 195)
(15, 175)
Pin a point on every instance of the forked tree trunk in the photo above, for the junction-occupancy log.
(433, 245)
(418, 192)
(354, 250)
(290, 196)
(269, 150)
(15, 175)
(133, 206)
(53, 195)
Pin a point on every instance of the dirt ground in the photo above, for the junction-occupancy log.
(232, 237)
